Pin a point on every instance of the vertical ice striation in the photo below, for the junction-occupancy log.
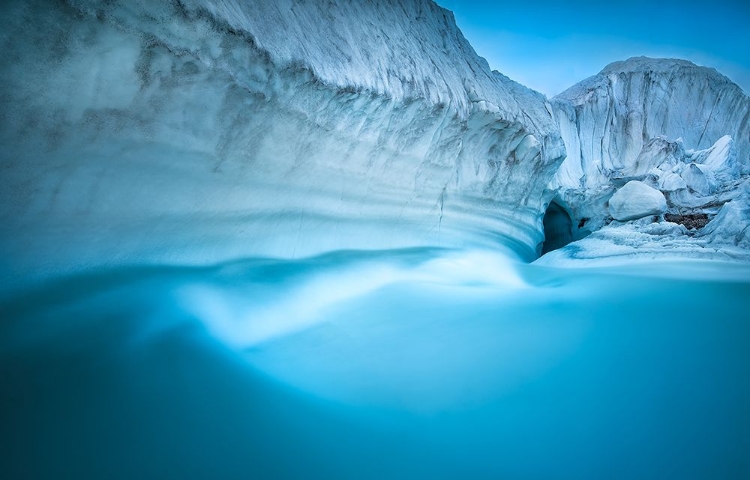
(680, 128)
(194, 131)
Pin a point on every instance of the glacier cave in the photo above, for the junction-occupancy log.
(558, 228)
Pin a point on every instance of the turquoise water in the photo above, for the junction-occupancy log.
(401, 364)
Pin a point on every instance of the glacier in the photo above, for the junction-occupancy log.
(323, 239)
(673, 126)
(205, 134)
(223, 137)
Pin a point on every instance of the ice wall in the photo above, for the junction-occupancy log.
(196, 131)
(640, 114)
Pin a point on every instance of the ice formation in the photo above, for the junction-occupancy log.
(676, 128)
(636, 200)
(198, 131)
(155, 153)
(202, 130)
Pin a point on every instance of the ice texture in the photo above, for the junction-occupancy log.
(164, 149)
(193, 132)
(636, 200)
(731, 222)
(198, 131)
(639, 114)
(671, 125)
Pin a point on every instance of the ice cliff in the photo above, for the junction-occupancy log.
(200, 130)
(672, 129)
(194, 131)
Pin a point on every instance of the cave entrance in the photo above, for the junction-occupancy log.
(558, 228)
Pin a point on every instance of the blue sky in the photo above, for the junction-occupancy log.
(551, 45)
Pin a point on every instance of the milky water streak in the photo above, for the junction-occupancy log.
(420, 363)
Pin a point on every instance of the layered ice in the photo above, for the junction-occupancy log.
(643, 113)
(196, 131)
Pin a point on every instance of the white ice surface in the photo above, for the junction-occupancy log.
(140, 132)
(644, 113)
(636, 200)
(194, 132)
(678, 128)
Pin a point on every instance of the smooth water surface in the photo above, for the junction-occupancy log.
(397, 364)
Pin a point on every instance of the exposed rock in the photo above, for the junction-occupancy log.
(694, 221)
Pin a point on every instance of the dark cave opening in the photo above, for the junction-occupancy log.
(558, 228)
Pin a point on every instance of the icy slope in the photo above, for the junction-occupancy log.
(195, 131)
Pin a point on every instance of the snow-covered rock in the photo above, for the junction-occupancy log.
(636, 200)
(201, 130)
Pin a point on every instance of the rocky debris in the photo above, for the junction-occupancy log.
(693, 221)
